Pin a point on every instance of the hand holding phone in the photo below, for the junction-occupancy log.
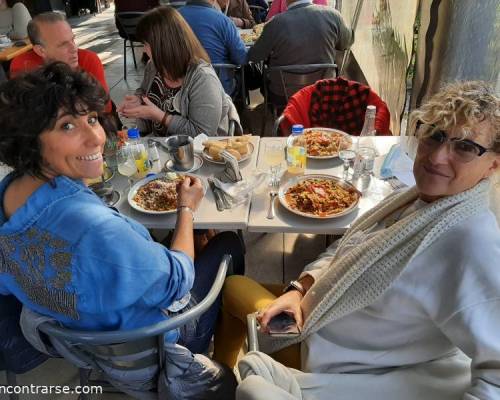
(283, 324)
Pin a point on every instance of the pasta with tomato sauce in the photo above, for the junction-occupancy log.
(320, 197)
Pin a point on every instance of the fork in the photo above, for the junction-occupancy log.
(272, 195)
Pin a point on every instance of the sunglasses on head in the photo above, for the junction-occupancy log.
(464, 150)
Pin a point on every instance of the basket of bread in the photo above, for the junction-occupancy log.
(240, 147)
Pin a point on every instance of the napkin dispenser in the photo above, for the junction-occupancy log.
(231, 171)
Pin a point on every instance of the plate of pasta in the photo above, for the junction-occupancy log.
(157, 194)
(319, 196)
(323, 143)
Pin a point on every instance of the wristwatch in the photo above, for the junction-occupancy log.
(295, 285)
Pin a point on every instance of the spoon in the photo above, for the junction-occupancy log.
(270, 212)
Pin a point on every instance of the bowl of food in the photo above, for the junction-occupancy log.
(319, 196)
(157, 194)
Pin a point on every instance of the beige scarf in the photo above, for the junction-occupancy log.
(357, 278)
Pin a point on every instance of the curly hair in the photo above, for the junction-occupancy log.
(463, 104)
(29, 105)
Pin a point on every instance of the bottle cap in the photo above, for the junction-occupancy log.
(297, 129)
(371, 108)
(133, 133)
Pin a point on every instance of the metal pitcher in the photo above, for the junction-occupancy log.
(181, 151)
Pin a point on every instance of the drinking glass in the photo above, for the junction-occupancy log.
(273, 157)
(126, 165)
(367, 155)
(347, 156)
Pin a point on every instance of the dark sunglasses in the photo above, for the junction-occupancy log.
(464, 150)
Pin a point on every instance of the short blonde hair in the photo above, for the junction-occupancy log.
(463, 104)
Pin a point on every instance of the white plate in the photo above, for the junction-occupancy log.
(142, 182)
(198, 163)
(328, 131)
(207, 157)
(341, 182)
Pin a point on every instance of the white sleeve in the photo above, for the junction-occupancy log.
(316, 268)
(20, 18)
(475, 330)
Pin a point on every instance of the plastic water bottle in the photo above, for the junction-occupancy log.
(362, 142)
(139, 152)
(296, 151)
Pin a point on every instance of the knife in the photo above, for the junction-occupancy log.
(218, 199)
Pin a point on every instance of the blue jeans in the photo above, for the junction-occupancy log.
(196, 334)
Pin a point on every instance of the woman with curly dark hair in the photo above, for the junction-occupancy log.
(64, 253)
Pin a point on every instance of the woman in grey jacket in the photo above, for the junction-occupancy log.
(180, 92)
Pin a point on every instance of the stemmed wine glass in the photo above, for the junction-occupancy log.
(274, 156)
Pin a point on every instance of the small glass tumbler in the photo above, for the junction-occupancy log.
(367, 155)
(347, 156)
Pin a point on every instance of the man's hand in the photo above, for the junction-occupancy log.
(147, 110)
(190, 193)
(288, 302)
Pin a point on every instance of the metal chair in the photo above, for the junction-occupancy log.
(258, 13)
(126, 22)
(129, 350)
(229, 71)
(292, 79)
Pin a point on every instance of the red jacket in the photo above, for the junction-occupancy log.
(87, 60)
(335, 103)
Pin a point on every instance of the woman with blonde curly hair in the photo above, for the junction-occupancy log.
(406, 304)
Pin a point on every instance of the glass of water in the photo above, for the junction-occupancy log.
(367, 155)
(347, 156)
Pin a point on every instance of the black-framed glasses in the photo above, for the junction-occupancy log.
(462, 150)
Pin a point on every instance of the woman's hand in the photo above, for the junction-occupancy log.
(190, 192)
(288, 302)
(237, 21)
(129, 101)
(146, 110)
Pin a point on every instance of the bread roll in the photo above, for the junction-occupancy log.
(214, 152)
(242, 148)
(234, 153)
(215, 143)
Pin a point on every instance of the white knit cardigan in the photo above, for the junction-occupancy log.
(358, 277)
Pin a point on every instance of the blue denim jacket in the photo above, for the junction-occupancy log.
(66, 255)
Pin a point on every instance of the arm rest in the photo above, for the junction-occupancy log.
(111, 337)
(253, 341)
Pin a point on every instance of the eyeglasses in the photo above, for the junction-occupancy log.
(462, 150)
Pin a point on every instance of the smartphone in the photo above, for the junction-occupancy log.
(283, 324)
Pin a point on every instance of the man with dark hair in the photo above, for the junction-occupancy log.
(304, 34)
(217, 34)
(53, 40)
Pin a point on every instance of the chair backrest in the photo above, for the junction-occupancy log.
(336, 103)
(121, 352)
(295, 77)
(258, 13)
(126, 22)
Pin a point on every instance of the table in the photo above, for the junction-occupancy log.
(207, 215)
(9, 53)
(287, 222)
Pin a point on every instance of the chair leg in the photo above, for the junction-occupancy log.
(125, 59)
(264, 121)
(12, 381)
(133, 54)
(84, 381)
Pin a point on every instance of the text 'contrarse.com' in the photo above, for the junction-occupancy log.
(45, 389)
